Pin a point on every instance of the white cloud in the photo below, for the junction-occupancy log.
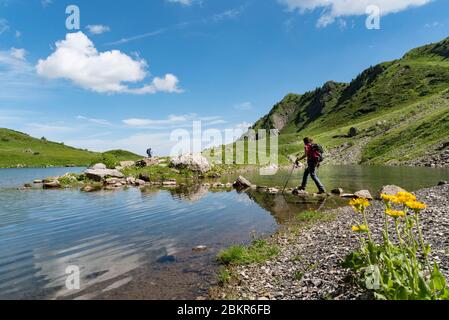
(167, 84)
(244, 106)
(172, 122)
(215, 18)
(18, 53)
(4, 25)
(18, 80)
(172, 119)
(38, 129)
(95, 121)
(98, 29)
(243, 126)
(76, 59)
(46, 3)
(434, 24)
(228, 14)
(183, 2)
(13, 63)
(342, 8)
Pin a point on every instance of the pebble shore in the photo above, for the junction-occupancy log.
(309, 264)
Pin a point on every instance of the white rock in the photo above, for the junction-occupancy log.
(101, 174)
(98, 166)
(194, 162)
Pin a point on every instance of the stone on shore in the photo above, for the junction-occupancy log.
(140, 182)
(365, 194)
(98, 166)
(90, 188)
(145, 177)
(113, 181)
(300, 193)
(131, 180)
(52, 185)
(273, 191)
(169, 183)
(102, 174)
(242, 183)
(390, 190)
(338, 191)
(193, 162)
(442, 183)
(199, 249)
(127, 164)
(146, 162)
(37, 181)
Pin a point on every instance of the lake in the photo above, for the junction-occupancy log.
(137, 243)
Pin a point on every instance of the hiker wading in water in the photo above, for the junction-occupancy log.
(314, 155)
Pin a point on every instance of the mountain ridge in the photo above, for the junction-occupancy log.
(18, 149)
(372, 101)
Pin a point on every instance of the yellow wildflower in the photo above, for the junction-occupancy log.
(361, 228)
(404, 197)
(395, 213)
(416, 205)
(359, 204)
(388, 198)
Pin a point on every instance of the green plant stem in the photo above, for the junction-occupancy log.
(421, 240)
(401, 241)
(366, 224)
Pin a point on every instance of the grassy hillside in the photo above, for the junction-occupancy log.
(399, 108)
(20, 149)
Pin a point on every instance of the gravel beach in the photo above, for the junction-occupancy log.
(309, 264)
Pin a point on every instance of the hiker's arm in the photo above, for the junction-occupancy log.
(298, 160)
(302, 158)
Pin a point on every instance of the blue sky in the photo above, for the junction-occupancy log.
(136, 70)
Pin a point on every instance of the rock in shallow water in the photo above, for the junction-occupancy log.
(338, 191)
(52, 185)
(101, 174)
(199, 248)
(242, 183)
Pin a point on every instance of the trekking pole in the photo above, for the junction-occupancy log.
(289, 177)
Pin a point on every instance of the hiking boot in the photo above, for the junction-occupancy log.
(322, 192)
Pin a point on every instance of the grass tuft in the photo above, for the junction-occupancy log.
(259, 251)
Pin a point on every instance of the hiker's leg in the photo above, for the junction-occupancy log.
(305, 178)
(312, 170)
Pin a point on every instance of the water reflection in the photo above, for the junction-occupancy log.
(138, 243)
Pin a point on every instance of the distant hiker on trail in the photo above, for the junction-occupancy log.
(314, 155)
(150, 153)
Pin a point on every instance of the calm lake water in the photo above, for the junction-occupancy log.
(137, 243)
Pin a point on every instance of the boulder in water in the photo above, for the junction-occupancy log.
(338, 191)
(52, 185)
(242, 183)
